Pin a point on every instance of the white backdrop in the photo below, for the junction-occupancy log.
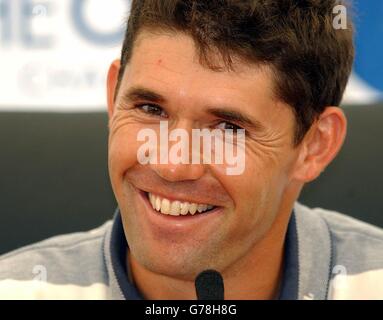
(54, 54)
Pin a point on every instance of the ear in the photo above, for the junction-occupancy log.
(112, 81)
(321, 144)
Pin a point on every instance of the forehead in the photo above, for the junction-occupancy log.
(170, 61)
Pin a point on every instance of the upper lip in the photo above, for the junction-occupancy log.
(177, 196)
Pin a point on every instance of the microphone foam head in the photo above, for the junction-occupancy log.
(209, 285)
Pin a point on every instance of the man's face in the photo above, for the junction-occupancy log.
(195, 97)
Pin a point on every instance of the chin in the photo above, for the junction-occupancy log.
(181, 261)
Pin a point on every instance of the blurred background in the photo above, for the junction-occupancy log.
(54, 56)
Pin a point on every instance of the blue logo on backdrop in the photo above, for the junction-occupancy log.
(369, 42)
(87, 32)
(16, 19)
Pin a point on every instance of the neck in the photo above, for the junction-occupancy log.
(263, 265)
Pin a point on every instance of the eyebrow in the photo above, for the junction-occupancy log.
(140, 93)
(230, 114)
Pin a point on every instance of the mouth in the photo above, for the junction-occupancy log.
(170, 208)
(170, 216)
(177, 207)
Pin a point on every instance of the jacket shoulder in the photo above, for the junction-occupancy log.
(357, 256)
(343, 226)
(75, 258)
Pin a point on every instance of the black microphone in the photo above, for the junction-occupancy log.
(209, 285)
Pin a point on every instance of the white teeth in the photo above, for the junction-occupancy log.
(165, 206)
(185, 208)
(193, 208)
(176, 208)
(158, 203)
(151, 199)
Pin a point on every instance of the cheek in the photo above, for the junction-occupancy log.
(257, 192)
(262, 171)
(266, 178)
(122, 155)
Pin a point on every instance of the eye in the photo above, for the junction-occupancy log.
(224, 125)
(152, 109)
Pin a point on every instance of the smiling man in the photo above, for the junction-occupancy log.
(273, 70)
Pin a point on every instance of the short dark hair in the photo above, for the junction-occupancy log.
(311, 60)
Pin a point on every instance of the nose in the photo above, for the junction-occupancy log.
(179, 172)
(172, 170)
